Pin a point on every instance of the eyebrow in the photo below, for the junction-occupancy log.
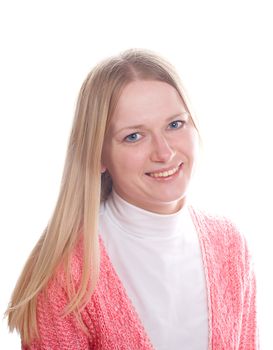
(141, 126)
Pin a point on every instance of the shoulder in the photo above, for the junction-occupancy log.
(67, 271)
(220, 236)
(224, 248)
(216, 227)
(71, 269)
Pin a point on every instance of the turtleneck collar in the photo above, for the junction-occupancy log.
(141, 223)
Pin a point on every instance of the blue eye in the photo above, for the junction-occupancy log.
(132, 137)
(176, 124)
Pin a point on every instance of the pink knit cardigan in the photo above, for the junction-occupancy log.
(113, 322)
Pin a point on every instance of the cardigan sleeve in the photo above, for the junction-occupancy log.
(56, 331)
(249, 336)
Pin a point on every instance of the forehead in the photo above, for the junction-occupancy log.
(144, 100)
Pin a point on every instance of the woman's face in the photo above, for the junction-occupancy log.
(151, 146)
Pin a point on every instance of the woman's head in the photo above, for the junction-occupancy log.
(105, 89)
(150, 147)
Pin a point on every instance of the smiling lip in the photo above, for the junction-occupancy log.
(165, 173)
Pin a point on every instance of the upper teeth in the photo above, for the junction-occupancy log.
(165, 173)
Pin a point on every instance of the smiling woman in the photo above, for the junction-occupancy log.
(125, 262)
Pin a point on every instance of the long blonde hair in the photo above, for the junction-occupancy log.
(82, 189)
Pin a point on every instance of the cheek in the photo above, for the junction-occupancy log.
(127, 160)
(189, 146)
(133, 159)
(192, 142)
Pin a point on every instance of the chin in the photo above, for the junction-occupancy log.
(170, 200)
(171, 197)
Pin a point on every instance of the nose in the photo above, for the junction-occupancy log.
(161, 150)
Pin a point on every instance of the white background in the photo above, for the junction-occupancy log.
(223, 51)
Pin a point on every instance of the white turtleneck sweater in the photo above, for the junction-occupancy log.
(158, 260)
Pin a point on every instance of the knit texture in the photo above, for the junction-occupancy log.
(112, 321)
